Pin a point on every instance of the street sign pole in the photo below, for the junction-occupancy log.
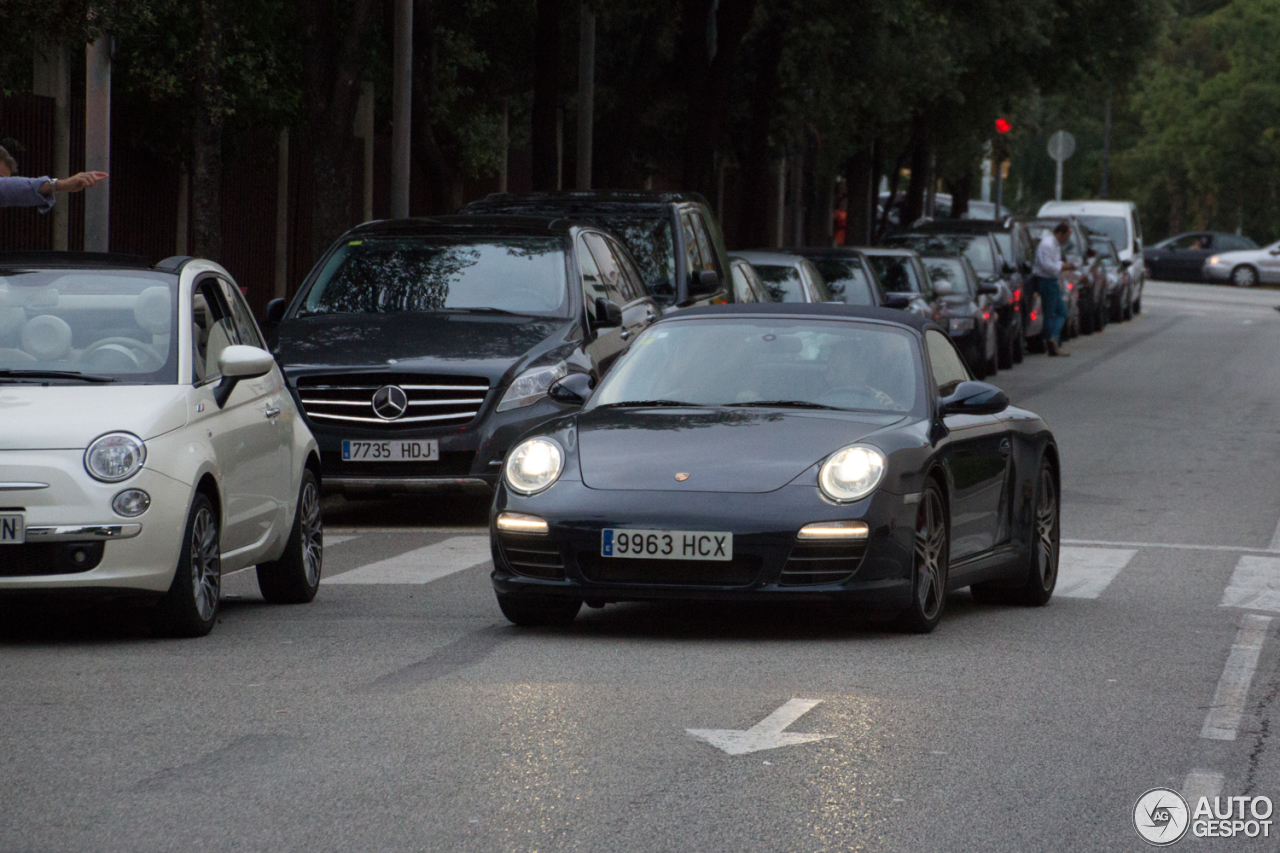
(1061, 146)
(1057, 183)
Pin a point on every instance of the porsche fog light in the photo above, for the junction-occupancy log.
(114, 457)
(534, 465)
(520, 522)
(131, 503)
(852, 473)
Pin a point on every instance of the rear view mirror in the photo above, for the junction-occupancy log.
(1007, 269)
(988, 289)
(975, 398)
(942, 287)
(897, 300)
(572, 390)
(608, 314)
(275, 311)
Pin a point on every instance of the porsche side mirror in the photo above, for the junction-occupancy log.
(572, 390)
(897, 300)
(608, 314)
(238, 362)
(275, 311)
(975, 398)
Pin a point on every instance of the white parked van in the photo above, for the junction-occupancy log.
(1117, 219)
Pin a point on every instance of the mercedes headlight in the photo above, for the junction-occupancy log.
(852, 473)
(534, 466)
(961, 324)
(114, 457)
(531, 386)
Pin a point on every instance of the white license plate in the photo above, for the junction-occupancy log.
(11, 530)
(391, 451)
(666, 544)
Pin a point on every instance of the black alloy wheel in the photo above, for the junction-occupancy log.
(1019, 343)
(536, 611)
(1004, 341)
(992, 363)
(1128, 311)
(930, 564)
(1100, 315)
(1037, 581)
(295, 577)
(190, 607)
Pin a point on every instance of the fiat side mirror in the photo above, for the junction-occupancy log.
(238, 362)
(571, 390)
(975, 398)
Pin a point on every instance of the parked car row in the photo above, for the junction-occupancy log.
(153, 442)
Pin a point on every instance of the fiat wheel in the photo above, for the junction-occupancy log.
(294, 578)
(190, 607)
(929, 564)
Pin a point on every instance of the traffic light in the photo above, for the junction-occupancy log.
(1003, 126)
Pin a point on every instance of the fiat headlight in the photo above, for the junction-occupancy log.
(534, 465)
(114, 457)
(852, 473)
(531, 386)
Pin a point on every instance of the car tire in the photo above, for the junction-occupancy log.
(190, 607)
(537, 611)
(1137, 304)
(295, 577)
(1005, 348)
(1019, 345)
(1037, 581)
(1087, 318)
(1244, 275)
(930, 556)
(1036, 344)
(977, 363)
(1101, 315)
(993, 340)
(1128, 305)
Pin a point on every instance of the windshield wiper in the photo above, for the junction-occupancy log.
(642, 403)
(55, 374)
(485, 309)
(784, 404)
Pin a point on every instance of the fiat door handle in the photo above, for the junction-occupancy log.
(649, 316)
(625, 334)
(271, 413)
(1005, 447)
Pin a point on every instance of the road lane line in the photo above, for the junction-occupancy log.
(336, 538)
(1201, 783)
(1086, 572)
(1275, 539)
(1173, 545)
(1254, 584)
(1223, 719)
(422, 565)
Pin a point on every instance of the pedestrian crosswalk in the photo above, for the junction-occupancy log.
(421, 565)
(1086, 572)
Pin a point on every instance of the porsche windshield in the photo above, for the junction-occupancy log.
(519, 275)
(769, 362)
(68, 326)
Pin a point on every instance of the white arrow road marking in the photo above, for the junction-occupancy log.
(1254, 585)
(766, 734)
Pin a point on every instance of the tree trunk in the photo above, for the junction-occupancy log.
(757, 185)
(334, 56)
(894, 180)
(444, 183)
(961, 190)
(206, 173)
(546, 92)
(859, 188)
(918, 185)
(711, 32)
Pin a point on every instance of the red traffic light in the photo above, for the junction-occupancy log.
(1003, 126)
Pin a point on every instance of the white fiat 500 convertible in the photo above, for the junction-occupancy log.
(148, 444)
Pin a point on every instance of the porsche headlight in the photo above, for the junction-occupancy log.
(114, 457)
(531, 386)
(852, 473)
(534, 466)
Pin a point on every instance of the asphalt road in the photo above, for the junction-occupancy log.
(400, 712)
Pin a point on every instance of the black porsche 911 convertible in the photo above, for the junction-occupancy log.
(780, 452)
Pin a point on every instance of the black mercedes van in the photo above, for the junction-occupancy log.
(418, 350)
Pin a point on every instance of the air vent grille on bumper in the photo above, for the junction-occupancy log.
(740, 571)
(49, 558)
(813, 564)
(533, 556)
(428, 400)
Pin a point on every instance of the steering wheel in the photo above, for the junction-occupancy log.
(143, 355)
(857, 397)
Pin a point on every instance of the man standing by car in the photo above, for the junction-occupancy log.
(1048, 266)
(38, 192)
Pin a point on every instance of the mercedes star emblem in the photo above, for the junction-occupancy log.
(390, 402)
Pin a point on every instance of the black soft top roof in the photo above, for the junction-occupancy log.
(568, 203)
(817, 310)
(73, 260)
(456, 225)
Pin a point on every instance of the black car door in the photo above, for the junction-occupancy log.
(639, 310)
(976, 458)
